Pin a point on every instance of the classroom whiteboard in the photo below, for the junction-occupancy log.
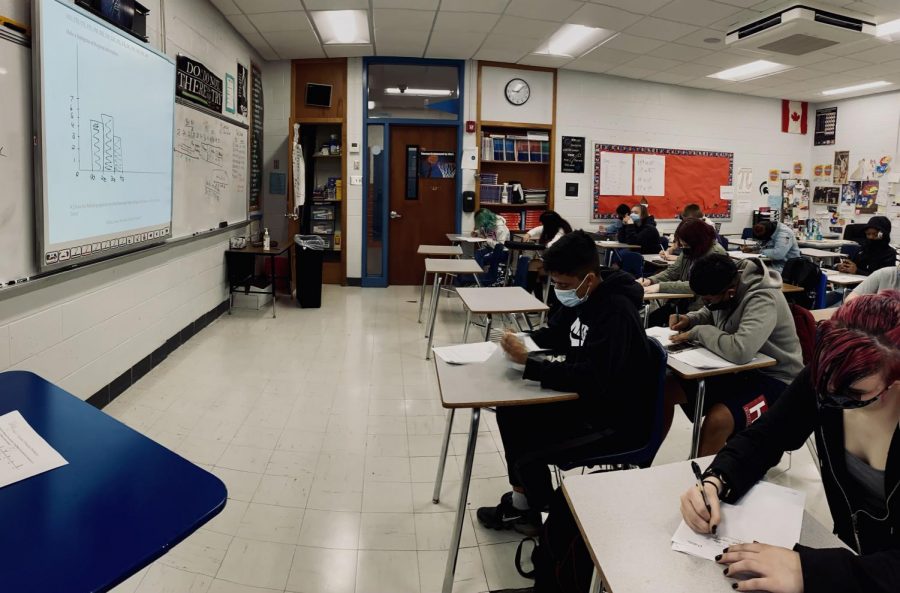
(17, 259)
(210, 171)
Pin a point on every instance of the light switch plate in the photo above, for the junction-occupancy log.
(356, 180)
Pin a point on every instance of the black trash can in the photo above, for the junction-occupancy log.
(309, 251)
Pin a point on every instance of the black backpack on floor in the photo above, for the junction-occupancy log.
(802, 272)
(560, 559)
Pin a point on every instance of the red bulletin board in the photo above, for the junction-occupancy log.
(692, 176)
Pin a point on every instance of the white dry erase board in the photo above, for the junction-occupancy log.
(16, 196)
(210, 171)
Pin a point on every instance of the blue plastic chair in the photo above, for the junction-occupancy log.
(642, 456)
(722, 241)
(850, 250)
(629, 261)
(747, 233)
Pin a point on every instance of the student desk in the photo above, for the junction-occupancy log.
(742, 255)
(685, 371)
(820, 254)
(234, 256)
(609, 246)
(438, 267)
(662, 296)
(459, 238)
(476, 386)
(627, 519)
(656, 260)
(434, 251)
(825, 243)
(743, 242)
(120, 503)
(790, 288)
(843, 280)
(823, 314)
(490, 301)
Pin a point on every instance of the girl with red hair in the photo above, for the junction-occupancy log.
(849, 397)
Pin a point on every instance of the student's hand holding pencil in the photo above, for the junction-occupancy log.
(514, 347)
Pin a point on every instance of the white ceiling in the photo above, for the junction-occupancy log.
(659, 40)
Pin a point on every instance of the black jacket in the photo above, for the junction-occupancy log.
(644, 235)
(877, 254)
(608, 360)
(796, 415)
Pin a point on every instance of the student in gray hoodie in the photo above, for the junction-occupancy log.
(745, 313)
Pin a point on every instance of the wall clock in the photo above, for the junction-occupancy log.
(517, 91)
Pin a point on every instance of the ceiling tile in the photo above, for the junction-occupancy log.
(651, 63)
(888, 51)
(633, 43)
(462, 21)
(258, 6)
(454, 51)
(889, 67)
(639, 6)
(738, 19)
(499, 54)
(522, 27)
(795, 75)
(695, 70)
(630, 72)
(847, 49)
(336, 4)
(660, 29)
(875, 8)
(676, 51)
(281, 21)
(494, 6)
(471, 40)
(695, 12)
(742, 3)
(697, 39)
(705, 83)
(669, 77)
(411, 4)
(557, 10)
(837, 64)
(395, 48)
(587, 66)
(241, 24)
(614, 56)
(545, 61)
(226, 7)
(724, 59)
(261, 45)
(520, 44)
(595, 15)
(289, 41)
(392, 18)
(347, 51)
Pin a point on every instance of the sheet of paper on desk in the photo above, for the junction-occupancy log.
(662, 334)
(701, 358)
(469, 239)
(466, 353)
(768, 513)
(23, 453)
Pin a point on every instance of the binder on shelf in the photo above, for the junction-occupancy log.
(534, 151)
(497, 149)
(509, 151)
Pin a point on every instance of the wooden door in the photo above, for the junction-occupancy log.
(431, 214)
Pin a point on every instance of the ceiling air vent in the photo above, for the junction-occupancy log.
(799, 30)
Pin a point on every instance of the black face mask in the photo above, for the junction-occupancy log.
(722, 306)
(687, 251)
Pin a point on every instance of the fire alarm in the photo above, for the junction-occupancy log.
(470, 127)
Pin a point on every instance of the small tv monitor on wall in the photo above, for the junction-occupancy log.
(318, 95)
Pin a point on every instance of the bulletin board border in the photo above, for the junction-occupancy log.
(624, 148)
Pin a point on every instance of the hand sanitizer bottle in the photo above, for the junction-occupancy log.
(266, 241)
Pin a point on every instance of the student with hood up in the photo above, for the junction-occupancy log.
(876, 252)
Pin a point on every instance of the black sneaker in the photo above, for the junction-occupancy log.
(506, 516)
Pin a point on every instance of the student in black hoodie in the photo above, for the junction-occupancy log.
(849, 397)
(602, 353)
(876, 252)
(640, 229)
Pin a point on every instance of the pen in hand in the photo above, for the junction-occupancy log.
(699, 477)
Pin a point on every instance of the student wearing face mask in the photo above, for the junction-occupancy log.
(876, 251)
(849, 398)
(600, 351)
(639, 228)
(745, 313)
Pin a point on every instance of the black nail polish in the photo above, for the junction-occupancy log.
(714, 527)
(725, 572)
(725, 551)
(719, 557)
(734, 585)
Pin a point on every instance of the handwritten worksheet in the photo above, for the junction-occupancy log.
(615, 173)
(649, 175)
(23, 453)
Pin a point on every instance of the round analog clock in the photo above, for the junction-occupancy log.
(517, 91)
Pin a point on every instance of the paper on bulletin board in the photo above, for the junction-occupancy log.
(470, 158)
(615, 173)
(726, 192)
(744, 179)
(649, 175)
(742, 207)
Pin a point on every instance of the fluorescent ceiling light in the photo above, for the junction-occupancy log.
(573, 41)
(418, 92)
(342, 26)
(857, 87)
(888, 28)
(755, 69)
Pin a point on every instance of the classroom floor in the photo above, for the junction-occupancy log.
(325, 424)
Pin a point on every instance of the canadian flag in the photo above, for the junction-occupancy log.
(793, 116)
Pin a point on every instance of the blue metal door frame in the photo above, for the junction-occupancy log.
(386, 122)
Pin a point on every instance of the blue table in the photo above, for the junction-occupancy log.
(120, 503)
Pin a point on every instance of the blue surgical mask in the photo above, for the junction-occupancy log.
(570, 298)
(635, 218)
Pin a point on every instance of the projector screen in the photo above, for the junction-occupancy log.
(104, 110)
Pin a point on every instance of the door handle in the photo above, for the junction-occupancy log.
(395, 214)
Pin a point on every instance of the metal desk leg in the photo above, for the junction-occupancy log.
(435, 289)
(442, 460)
(596, 585)
(453, 552)
(468, 323)
(698, 418)
(489, 320)
(272, 265)
(434, 309)
(646, 315)
(422, 295)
